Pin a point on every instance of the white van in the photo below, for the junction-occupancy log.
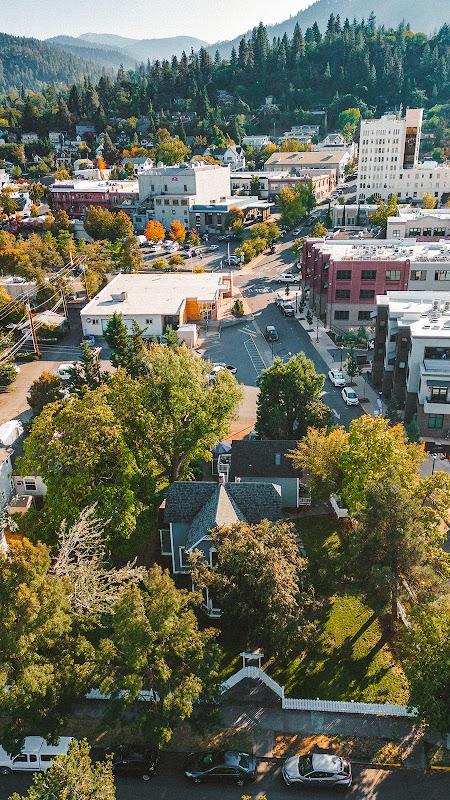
(35, 756)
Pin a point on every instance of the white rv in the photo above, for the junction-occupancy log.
(35, 756)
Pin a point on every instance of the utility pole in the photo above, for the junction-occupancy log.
(88, 295)
(65, 309)
(33, 332)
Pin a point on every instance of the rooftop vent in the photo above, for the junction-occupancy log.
(120, 298)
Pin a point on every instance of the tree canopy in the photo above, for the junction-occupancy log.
(289, 400)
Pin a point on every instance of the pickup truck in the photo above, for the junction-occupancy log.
(35, 756)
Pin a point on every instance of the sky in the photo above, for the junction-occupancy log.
(211, 20)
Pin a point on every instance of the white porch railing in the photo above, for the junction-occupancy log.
(306, 704)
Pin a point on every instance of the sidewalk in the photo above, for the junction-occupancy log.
(324, 346)
(263, 723)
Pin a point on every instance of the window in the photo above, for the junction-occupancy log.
(367, 294)
(418, 275)
(30, 485)
(149, 322)
(344, 275)
(158, 202)
(442, 275)
(167, 202)
(414, 232)
(341, 314)
(48, 757)
(21, 759)
(342, 294)
(184, 202)
(185, 187)
(184, 561)
(175, 203)
(32, 758)
(368, 275)
(213, 557)
(435, 421)
(437, 353)
(439, 232)
(396, 233)
(426, 232)
(364, 315)
(392, 274)
(166, 545)
(165, 187)
(438, 394)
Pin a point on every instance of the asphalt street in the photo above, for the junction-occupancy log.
(244, 345)
(170, 784)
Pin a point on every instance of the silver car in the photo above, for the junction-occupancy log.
(318, 770)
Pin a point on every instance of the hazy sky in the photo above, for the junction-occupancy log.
(211, 20)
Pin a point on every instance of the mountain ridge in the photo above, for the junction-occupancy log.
(387, 12)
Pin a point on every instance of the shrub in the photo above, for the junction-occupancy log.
(160, 264)
(238, 308)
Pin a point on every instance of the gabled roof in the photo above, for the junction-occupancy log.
(262, 459)
(208, 505)
(219, 510)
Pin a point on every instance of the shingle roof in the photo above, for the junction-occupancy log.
(262, 459)
(219, 510)
(208, 505)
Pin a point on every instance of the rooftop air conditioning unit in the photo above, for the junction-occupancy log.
(435, 303)
(120, 298)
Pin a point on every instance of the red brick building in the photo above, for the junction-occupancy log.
(75, 196)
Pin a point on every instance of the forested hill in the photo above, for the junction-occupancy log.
(32, 63)
(423, 15)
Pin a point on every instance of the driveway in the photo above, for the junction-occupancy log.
(170, 784)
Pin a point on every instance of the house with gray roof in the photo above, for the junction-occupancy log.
(192, 510)
(267, 462)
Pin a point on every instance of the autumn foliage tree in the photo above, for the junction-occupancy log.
(154, 231)
(177, 232)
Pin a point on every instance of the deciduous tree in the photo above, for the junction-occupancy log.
(289, 399)
(73, 777)
(154, 231)
(157, 643)
(259, 580)
(177, 232)
(45, 389)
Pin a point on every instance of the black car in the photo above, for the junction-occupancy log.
(288, 310)
(271, 333)
(130, 762)
(222, 766)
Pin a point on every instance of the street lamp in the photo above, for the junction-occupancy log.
(434, 457)
(341, 348)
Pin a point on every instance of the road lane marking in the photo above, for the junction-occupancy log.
(338, 416)
(254, 355)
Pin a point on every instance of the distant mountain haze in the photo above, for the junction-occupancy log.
(143, 49)
(109, 57)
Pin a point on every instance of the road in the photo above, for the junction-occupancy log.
(169, 784)
(244, 344)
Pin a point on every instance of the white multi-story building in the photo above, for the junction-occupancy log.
(412, 359)
(169, 193)
(389, 160)
(424, 223)
(255, 141)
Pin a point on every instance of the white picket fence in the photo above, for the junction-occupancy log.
(335, 706)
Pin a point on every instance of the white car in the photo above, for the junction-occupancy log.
(349, 396)
(336, 377)
(64, 371)
(213, 247)
(296, 231)
(287, 277)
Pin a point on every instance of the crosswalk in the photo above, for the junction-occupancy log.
(254, 354)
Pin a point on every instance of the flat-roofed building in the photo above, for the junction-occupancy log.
(155, 301)
(421, 223)
(299, 162)
(412, 359)
(75, 196)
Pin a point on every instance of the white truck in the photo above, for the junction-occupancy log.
(35, 756)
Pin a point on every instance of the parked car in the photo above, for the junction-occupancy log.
(229, 367)
(336, 377)
(226, 237)
(213, 247)
(318, 770)
(296, 231)
(221, 767)
(271, 333)
(349, 396)
(287, 277)
(288, 310)
(34, 756)
(64, 371)
(89, 339)
(130, 762)
(235, 260)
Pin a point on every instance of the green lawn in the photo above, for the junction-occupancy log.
(350, 659)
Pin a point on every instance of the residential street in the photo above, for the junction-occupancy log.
(170, 784)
